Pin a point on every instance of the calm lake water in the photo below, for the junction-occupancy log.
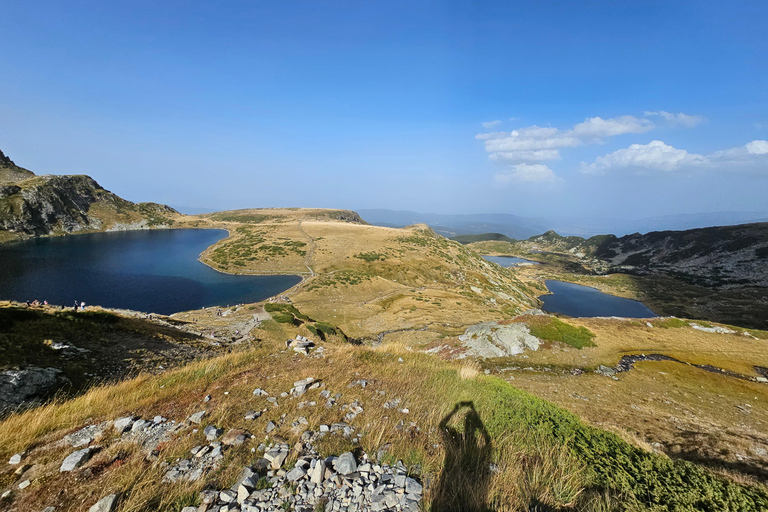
(508, 261)
(579, 301)
(155, 271)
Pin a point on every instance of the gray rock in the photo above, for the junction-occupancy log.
(22, 386)
(295, 474)
(139, 425)
(345, 464)
(123, 424)
(86, 435)
(16, 459)
(412, 486)
(227, 496)
(252, 415)
(260, 392)
(317, 473)
(24, 484)
(49, 509)
(76, 459)
(189, 509)
(105, 504)
(277, 462)
(197, 417)
(212, 432)
(605, 370)
(270, 427)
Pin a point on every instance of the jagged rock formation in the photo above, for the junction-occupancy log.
(33, 205)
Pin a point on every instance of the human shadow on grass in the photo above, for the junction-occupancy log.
(463, 483)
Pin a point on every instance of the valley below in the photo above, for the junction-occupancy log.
(402, 372)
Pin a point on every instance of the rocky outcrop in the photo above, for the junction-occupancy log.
(41, 205)
(19, 387)
(490, 339)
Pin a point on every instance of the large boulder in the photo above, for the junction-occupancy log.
(19, 387)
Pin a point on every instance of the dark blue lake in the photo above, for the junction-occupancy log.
(582, 301)
(154, 271)
(508, 261)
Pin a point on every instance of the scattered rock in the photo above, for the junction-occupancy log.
(123, 424)
(197, 417)
(105, 504)
(86, 435)
(236, 436)
(606, 371)
(212, 432)
(76, 459)
(16, 459)
(345, 464)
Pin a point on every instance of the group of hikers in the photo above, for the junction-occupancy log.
(79, 305)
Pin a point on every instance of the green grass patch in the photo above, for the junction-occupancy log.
(553, 329)
(670, 323)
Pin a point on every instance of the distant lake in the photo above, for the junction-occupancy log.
(508, 261)
(582, 301)
(154, 271)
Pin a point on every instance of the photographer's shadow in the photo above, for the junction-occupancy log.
(465, 478)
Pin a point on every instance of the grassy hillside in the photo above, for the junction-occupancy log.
(519, 452)
(370, 279)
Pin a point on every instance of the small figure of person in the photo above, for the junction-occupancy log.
(77, 305)
(82, 306)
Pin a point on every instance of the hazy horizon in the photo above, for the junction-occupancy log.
(536, 109)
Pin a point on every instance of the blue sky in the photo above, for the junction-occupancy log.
(623, 109)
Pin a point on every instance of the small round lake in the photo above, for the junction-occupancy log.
(155, 271)
(509, 261)
(582, 301)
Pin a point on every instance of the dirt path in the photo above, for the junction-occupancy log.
(310, 251)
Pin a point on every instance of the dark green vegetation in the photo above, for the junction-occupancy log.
(370, 256)
(89, 346)
(636, 479)
(340, 278)
(482, 237)
(288, 314)
(552, 329)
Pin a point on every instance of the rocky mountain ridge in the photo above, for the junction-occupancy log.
(721, 256)
(32, 205)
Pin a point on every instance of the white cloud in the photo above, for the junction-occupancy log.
(491, 124)
(537, 143)
(678, 119)
(530, 173)
(757, 147)
(656, 155)
(599, 128)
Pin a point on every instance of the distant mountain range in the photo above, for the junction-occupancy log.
(521, 228)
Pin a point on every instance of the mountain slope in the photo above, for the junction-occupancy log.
(33, 205)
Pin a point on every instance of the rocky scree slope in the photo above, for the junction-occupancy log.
(33, 205)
